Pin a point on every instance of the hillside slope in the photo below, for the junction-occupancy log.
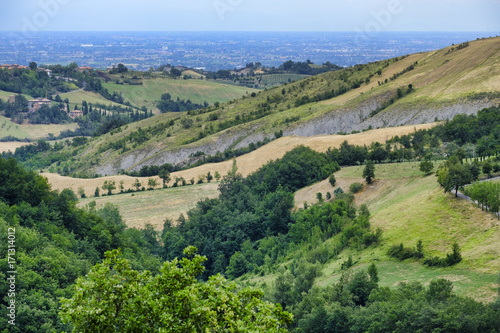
(154, 207)
(415, 89)
(409, 206)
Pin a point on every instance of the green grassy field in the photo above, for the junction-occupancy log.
(29, 131)
(409, 206)
(198, 91)
(77, 97)
(154, 207)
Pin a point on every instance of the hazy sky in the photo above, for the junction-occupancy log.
(250, 15)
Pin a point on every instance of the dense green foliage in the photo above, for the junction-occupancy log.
(410, 307)
(171, 301)
(34, 82)
(466, 135)
(484, 127)
(55, 114)
(40, 154)
(55, 243)
(249, 228)
(247, 209)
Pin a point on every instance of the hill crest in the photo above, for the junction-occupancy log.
(413, 89)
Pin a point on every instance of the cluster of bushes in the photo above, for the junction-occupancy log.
(324, 96)
(458, 47)
(402, 253)
(355, 187)
(136, 137)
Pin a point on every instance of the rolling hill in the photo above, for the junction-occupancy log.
(403, 202)
(408, 206)
(419, 88)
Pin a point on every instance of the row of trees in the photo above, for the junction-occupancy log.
(486, 194)
(110, 185)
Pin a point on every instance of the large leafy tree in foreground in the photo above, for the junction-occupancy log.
(115, 298)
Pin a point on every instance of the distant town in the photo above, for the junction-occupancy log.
(213, 51)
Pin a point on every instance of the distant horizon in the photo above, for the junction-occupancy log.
(264, 31)
(145, 49)
(368, 16)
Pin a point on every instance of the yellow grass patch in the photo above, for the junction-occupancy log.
(11, 146)
(248, 163)
(193, 74)
(154, 207)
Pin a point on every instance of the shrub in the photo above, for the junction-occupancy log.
(347, 264)
(355, 187)
(332, 179)
(426, 166)
(401, 252)
(338, 191)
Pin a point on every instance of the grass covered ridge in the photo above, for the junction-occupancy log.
(409, 206)
(439, 78)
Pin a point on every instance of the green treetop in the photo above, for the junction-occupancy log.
(115, 298)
